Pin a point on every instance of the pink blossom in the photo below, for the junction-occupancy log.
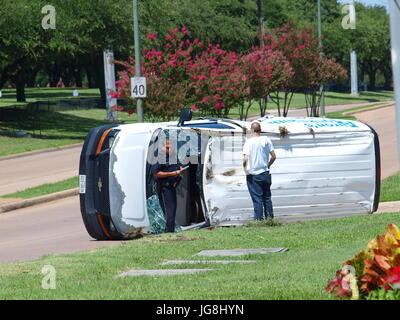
(151, 36)
(205, 99)
(194, 107)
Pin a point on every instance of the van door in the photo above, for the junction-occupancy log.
(224, 181)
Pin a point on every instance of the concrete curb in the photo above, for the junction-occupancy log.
(20, 204)
(35, 152)
(351, 113)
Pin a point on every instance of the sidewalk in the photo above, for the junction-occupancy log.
(302, 112)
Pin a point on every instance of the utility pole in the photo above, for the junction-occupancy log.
(353, 55)
(138, 65)
(261, 23)
(394, 8)
(322, 89)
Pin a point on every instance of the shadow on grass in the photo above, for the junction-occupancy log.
(44, 94)
(54, 125)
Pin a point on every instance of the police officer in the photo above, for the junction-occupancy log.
(167, 176)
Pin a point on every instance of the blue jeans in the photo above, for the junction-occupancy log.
(260, 191)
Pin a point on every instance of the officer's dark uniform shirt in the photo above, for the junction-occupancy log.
(166, 167)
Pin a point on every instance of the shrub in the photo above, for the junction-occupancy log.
(374, 269)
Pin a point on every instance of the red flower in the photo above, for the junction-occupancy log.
(206, 99)
(151, 36)
(114, 95)
(194, 107)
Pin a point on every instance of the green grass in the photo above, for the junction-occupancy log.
(331, 98)
(317, 250)
(390, 189)
(38, 94)
(342, 115)
(45, 189)
(57, 129)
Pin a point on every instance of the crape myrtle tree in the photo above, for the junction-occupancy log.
(264, 71)
(166, 69)
(216, 83)
(185, 72)
(310, 68)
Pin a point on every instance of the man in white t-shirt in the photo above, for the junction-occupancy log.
(258, 156)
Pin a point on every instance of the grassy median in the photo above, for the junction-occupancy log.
(317, 250)
(45, 189)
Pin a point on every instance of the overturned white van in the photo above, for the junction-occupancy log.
(324, 167)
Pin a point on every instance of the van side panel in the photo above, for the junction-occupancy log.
(320, 174)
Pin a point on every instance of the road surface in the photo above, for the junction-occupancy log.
(52, 228)
(18, 174)
(383, 120)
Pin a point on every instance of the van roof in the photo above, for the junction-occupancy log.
(308, 125)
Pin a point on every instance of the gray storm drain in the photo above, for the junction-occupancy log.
(162, 272)
(239, 252)
(175, 262)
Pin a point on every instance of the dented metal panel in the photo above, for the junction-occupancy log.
(327, 171)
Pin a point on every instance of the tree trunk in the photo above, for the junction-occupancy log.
(20, 85)
(372, 79)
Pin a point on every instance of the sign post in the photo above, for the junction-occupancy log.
(138, 87)
(138, 65)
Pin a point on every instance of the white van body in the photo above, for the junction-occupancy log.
(323, 167)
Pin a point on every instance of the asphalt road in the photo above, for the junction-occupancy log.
(18, 174)
(52, 228)
(383, 120)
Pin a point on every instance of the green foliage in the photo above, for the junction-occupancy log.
(376, 267)
(390, 189)
(382, 294)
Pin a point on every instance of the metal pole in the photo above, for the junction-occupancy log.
(322, 89)
(138, 65)
(353, 55)
(354, 76)
(261, 23)
(394, 8)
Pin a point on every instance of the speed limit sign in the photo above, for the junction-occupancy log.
(138, 87)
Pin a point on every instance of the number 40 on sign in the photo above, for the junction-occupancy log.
(138, 87)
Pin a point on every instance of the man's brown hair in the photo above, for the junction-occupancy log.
(255, 126)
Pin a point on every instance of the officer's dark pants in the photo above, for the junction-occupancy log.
(167, 196)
